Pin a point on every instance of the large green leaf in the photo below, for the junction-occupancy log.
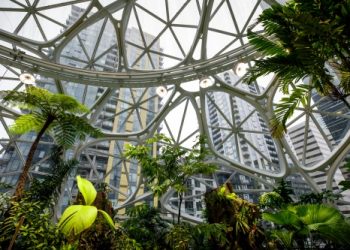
(316, 215)
(108, 218)
(283, 217)
(77, 218)
(87, 190)
(285, 237)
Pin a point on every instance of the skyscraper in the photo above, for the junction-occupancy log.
(255, 149)
(96, 48)
(315, 150)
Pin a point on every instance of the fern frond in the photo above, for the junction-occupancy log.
(26, 123)
(64, 133)
(68, 104)
(69, 127)
(84, 128)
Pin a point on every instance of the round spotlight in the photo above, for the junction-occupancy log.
(27, 78)
(206, 82)
(240, 69)
(161, 91)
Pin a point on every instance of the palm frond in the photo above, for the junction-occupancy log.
(285, 237)
(286, 68)
(345, 81)
(266, 45)
(276, 22)
(285, 109)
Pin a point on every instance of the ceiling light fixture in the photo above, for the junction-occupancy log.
(27, 78)
(161, 91)
(240, 69)
(206, 82)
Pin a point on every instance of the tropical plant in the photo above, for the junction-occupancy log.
(77, 218)
(48, 189)
(146, 226)
(326, 196)
(346, 183)
(311, 225)
(271, 200)
(41, 193)
(32, 221)
(56, 114)
(241, 216)
(303, 40)
(285, 191)
(203, 236)
(172, 167)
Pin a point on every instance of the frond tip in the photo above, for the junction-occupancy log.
(286, 107)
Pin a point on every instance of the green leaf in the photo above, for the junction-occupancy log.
(76, 219)
(108, 218)
(26, 123)
(87, 190)
(286, 237)
(283, 217)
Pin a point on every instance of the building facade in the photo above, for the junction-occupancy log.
(100, 162)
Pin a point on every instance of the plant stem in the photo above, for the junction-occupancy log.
(23, 177)
(179, 212)
(16, 233)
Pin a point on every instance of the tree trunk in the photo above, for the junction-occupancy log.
(179, 211)
(23, 177)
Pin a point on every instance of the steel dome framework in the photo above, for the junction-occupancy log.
(199, 38)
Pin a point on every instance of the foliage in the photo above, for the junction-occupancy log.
(285, 191)
(56, 114)
(302, 40)
(202, 236)
(48, 189)
(172, 167)
(65, 126)
(346, 183)
(5, 199)
(319, 198)
(242, 217)
(146, 226)
(38, 199)
(77, 218)
(37, 230)
(310, 225)
(271, 200)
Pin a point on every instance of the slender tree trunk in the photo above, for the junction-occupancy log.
(179, 211)
(20, 223)
(23, 177)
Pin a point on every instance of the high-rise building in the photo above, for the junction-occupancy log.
(314, 150)
(338, 126)
(88, 50)
(255, 149)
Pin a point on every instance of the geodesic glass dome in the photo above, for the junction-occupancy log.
(173, 67)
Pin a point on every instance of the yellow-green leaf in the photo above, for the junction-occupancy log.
(108, 218)
(77, 218)
(87, 190)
